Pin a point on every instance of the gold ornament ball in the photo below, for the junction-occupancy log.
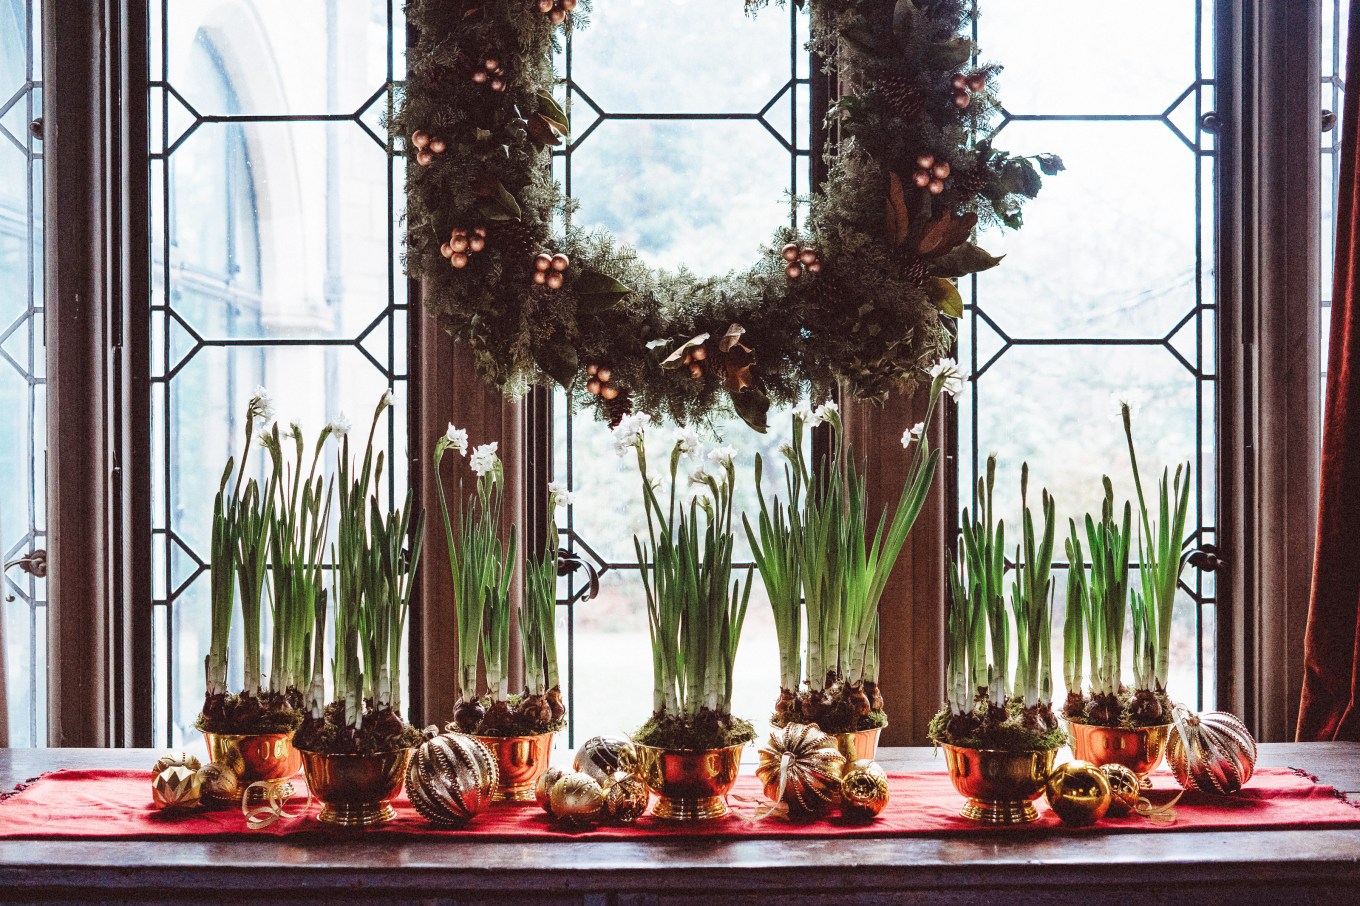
(543, 787)
(545, 6)
(419, 139)
(540, 278)
(864, 790)
(576, 799)
(962, 100)
(803, 766)
(176, 759)
(940, 171)
(479, 231)
(790, 252)
(176, 787)
(459, 259)
(977, 81)
(559, 262)
(793, 271)
(960, 81)
(219, 781)
(555, 280)
(480, 76)
(925, 161)
(625, 797)
(601, 757)
(698, 353)
(815, 267)
(476, 244)
(1125, 789)
(569, 5)
(445, 250)
(593, 386)
(450, 779)
(696, 371)
(557, 16)
(808, 255)
(1078, 793)
(543, 262)
(609, 391)
(921, 178)
(424, 157)
(437, 145)
(497, 84)
(458, 243)
(592, 369)
(605, 375)
(935, 187)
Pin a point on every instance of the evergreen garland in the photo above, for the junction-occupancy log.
(874, 312)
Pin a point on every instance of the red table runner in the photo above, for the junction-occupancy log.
(117, 805)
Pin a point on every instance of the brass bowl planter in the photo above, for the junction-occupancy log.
(690, 784)
(356, 790)
(1000, 786)
(521, 760)
(253, 757)
(1141, 750)
(860, 744)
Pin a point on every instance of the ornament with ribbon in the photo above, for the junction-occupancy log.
(801, 769)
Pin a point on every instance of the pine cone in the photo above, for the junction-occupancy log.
(902, 97)
(915, 272)
(512, 239)
(971, 182)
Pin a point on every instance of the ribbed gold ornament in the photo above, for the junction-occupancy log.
(1212, 752)
(576, 799)
(864, 790)
(625, 798)
(175, 760)
(543, 787)
(451, 778)
(603, 756)
(217, 781)
(802, 766)
(1125, 789)
(175, 787)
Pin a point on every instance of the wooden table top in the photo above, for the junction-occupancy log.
(1184, 867)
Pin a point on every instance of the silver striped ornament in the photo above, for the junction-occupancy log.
(451, 778)
(1211, 752)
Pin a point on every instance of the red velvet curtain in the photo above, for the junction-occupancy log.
(1330, 708)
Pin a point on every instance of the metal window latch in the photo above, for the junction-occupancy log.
(34, 563)
(1212, 122)
(1328, 121)
(1205, 557)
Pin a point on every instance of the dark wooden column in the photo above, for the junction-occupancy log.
(912, 608)
(449, 390)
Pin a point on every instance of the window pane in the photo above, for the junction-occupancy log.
(23, 437)
(1334, 28)
(1108, 292)
(273, 263)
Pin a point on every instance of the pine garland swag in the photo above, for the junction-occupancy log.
(889, 231)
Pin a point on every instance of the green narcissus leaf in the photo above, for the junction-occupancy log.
(559, 361)
(754, 408)
(1050, 164)
(677, 358)
(950, 55)
(499, 205)
(945, 295)
(962, 260)
(601, 287)
(555, 115)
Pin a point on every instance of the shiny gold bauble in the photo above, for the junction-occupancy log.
(1212, 752)
(625, 798)
(803, 766)
(175, 760)
(864, 790)
(601, 757)
(609, 391)
(790, 252)
(450, 779)
(219, 781)
(576, 799)
(559, 262)
(1125, 789)
(176, 787)
(555, 280)
(543, 787)
(794, 271)
(1078, 793)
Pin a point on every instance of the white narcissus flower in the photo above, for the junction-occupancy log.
(1121, 398)
(261, 406)
(803, 411)
(388, 398)
(629, 431)
(700, 476)
(558, 495)
(823, 413)
(484, 458)
(457, 438)
(688, 440)
(340, 426)
(913, 434)
(786, 448)
(946, 371)
(722, 456)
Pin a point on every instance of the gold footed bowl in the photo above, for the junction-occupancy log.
(690, 784)
(356, 790)
(861, 745)
(253, 757)
(1000, 786)
(1141, 750)
(521, 761)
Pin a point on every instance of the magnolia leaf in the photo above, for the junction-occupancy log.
(560, 362)
(1050, 164)
(677, 358)
(542, 132)
(861, 38)
(499, 205)
(904, 17)
(965, 259)
(737, 369)
(729, 339)
(945, 295)
(949, 55)
(944, 232)
(1019, 175)
(596, 285)
(898, 221)
(555, 115)
(754, 407)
